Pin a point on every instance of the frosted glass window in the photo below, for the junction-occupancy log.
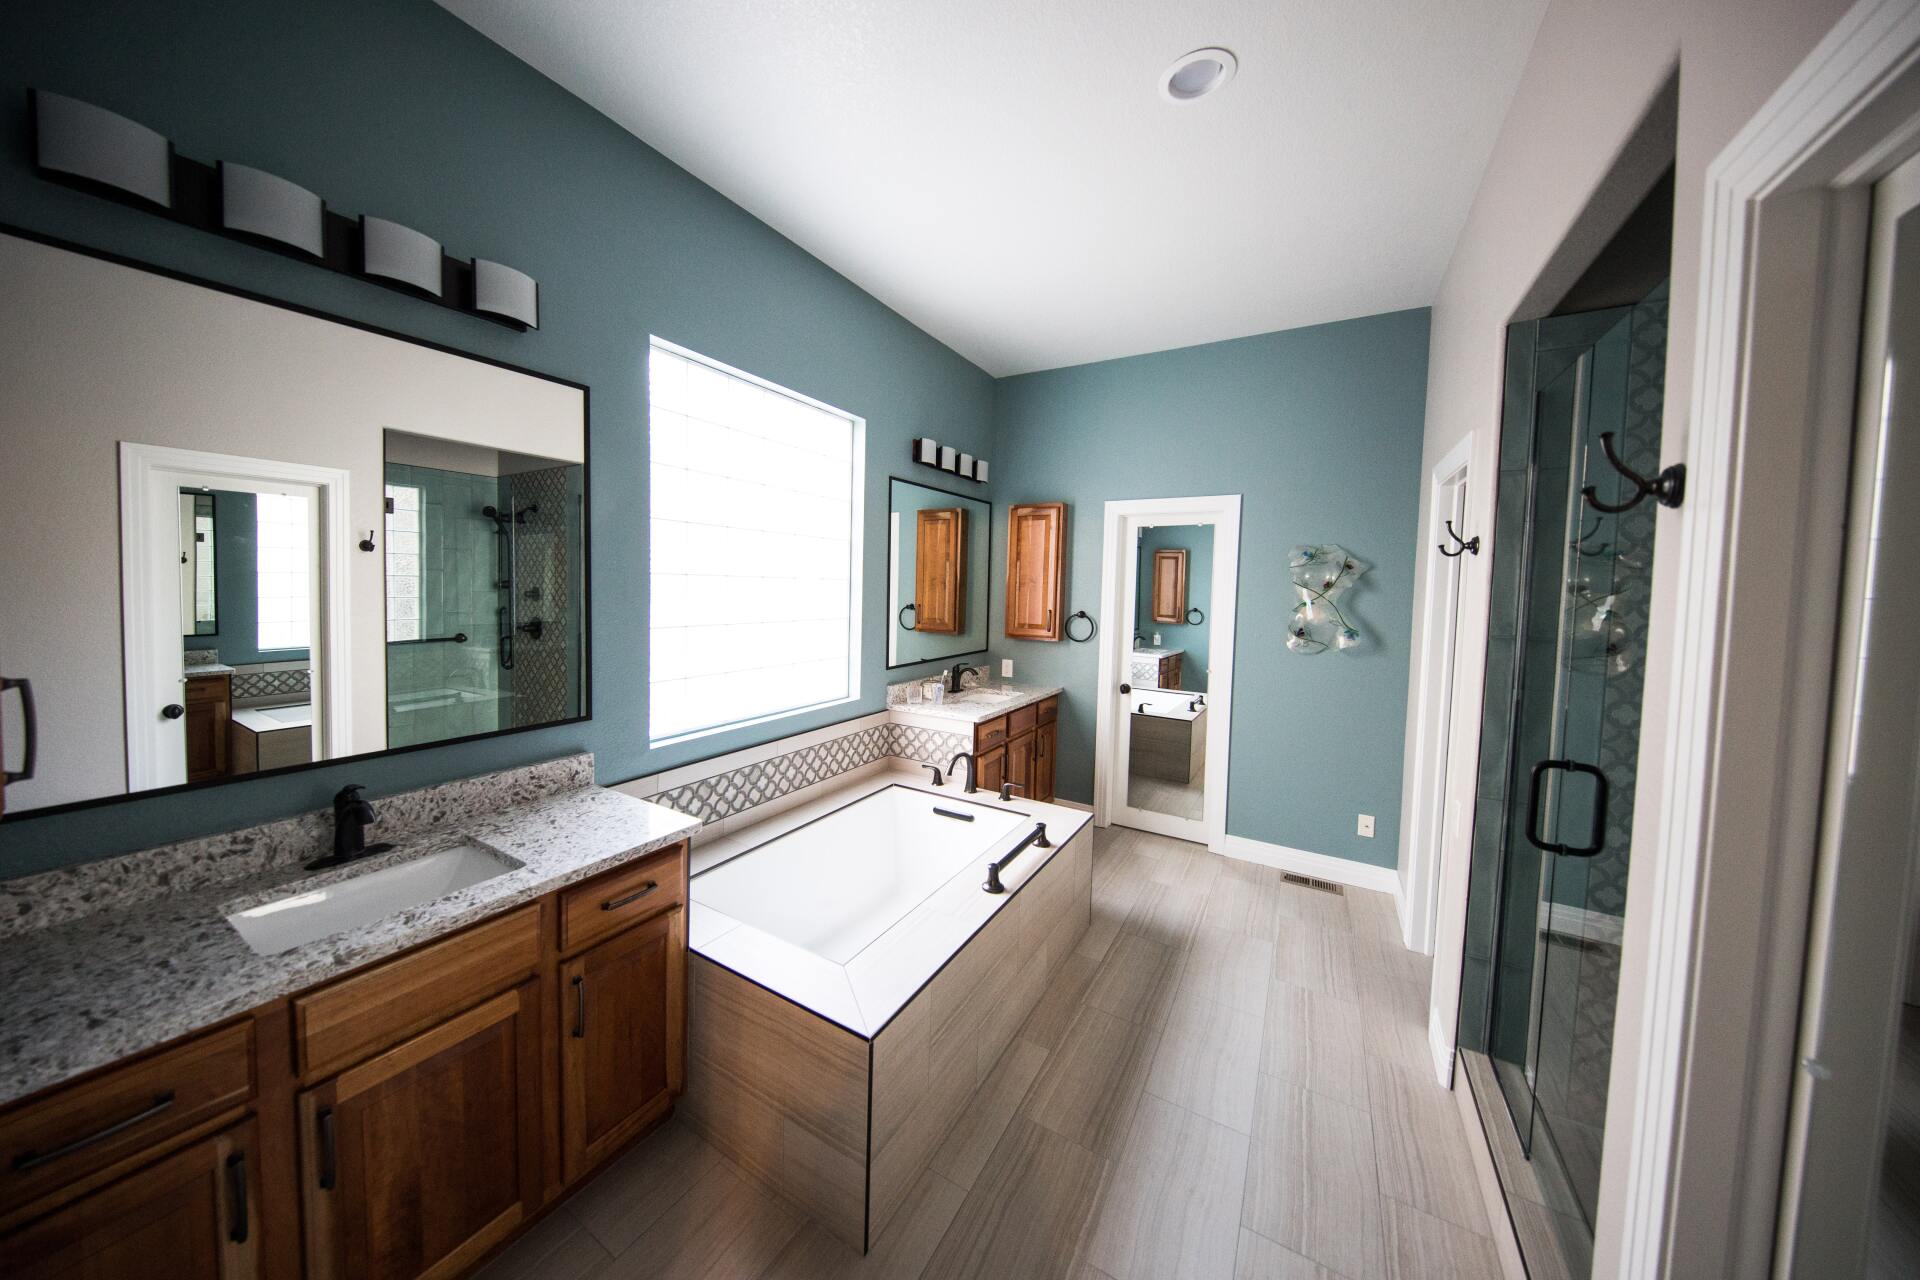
(754, 501)
(284, 570)
(403, 562)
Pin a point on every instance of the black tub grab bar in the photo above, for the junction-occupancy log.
(1037, 836)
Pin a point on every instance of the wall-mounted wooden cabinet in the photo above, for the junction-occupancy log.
(940, 570)
(1036, 564)
(1169, 597)
(402, 1121)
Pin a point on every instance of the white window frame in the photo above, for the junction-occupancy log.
(856, 548)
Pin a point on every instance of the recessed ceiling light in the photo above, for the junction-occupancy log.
(1197, 74)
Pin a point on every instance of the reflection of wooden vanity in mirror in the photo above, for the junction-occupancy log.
(202, 518)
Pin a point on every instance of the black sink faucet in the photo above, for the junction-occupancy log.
(955, 676)
(351, 815)
(954, 764)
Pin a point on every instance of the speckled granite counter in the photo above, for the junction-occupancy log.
(975, 706)
(114, 957)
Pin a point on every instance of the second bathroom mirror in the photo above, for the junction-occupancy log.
(939, 548)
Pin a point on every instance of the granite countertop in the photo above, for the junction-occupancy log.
(208, 669)
(136, 971)
(975, 706)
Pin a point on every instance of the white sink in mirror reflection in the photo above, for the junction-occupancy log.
(308, 915)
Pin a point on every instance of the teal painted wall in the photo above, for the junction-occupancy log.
(1319, 429)
(395, 107)
(1197, 541)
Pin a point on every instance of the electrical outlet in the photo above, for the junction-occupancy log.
(1366, 825)
(1006, 668)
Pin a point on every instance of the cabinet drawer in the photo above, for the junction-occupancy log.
(128, 1111)
(989, 735)
(1022, 721)
(206, 688)
(626, 895)
(362, 1014)
(1049, 711)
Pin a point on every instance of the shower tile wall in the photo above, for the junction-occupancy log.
(544, 678)
(438, 691)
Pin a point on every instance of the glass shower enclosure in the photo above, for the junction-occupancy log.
(1559, 745)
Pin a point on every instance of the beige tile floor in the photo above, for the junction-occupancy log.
(1229, 1079)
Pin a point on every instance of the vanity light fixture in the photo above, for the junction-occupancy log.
(966, 465)
(76, 139)
(396, 252)
(929, 452)
(925, 450)
(949, 458)
(254, 202)
(499, 290)
(1195, 75)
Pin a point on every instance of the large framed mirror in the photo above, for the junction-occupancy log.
(939, 553)
(257, 539)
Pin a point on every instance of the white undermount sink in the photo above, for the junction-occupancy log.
(988, 696)
(306, 916)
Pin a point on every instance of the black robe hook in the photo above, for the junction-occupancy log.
(1460, 544)
(1667, 488)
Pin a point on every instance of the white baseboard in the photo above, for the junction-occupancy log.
(1440, 1044)
(1320, 866)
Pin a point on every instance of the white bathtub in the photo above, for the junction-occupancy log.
(835, 884)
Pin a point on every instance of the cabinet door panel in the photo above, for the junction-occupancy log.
(991, 769)
(192, 1216)
(1020, 763)
(1169, 585)
(1035, 553)
(621, 1055)
(420, 1160)
(940, 570)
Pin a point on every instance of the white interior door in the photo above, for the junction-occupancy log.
(1852, 1206)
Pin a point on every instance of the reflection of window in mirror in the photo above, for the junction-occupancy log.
(198, 596)
(284, 571)
(940, 570)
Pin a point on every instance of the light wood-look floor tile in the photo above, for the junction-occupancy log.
(1316, 1041)
(1089, 1088)
(726, 1226)
(1311, 1184)
(901, 1251)
(633, 1192)
(1053, 1012)
(964, 1151)
(1421, 1147)
(1262, 1259)
(1026, 1214)
(1208, 1061)
(1171, 1208)
(1135, 979)
(1317, 958)
(1396, 1021)
(1227, 968)
(1188, 866)
(1422, 1247)
(1167, 914)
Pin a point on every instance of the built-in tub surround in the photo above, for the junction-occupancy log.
(111, 958)
(852, 982)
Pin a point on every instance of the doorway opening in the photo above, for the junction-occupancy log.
(1168, 586)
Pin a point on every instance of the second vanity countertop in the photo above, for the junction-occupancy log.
(87, 991)
(975, 706)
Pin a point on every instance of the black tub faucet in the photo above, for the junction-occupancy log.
(954, 764)
(351, 816)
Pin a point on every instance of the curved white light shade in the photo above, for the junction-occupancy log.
(395, 252)
(86, 141)
(499, 290)
(262, 204)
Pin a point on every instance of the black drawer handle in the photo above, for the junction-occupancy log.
(237, 1183)
(327, 1163)
(1597, 838)
(580, 1006)
(27, 1161)
(614, 904)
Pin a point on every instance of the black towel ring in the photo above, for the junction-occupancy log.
(905, 609)
(1193, 621)
(1091, 626)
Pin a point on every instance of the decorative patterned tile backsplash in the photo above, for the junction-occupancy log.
(738, 790)
(256, 682)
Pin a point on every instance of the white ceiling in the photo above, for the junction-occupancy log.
(1005, 174)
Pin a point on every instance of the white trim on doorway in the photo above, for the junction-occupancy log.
(151, 477)
(1435, 782)
(1117, 572)
(1716, 921)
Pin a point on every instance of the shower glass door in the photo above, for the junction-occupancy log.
(1560, 741)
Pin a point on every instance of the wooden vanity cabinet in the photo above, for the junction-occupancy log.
(1018, 748)
(209, 703)
(940, 570)
(194, 1215)
(405, 1120)
(1036, 561)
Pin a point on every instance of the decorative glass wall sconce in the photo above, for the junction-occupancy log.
(1321, 573)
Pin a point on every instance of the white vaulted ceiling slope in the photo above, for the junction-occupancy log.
(1006, 174)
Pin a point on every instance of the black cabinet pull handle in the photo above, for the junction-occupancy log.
(30, 748)
(27, 1161)
(1596, 838)
(327, 1169)
(237, 1183)
(579, 1006)
(614, 904)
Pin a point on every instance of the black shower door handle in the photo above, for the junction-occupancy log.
(1596, 839)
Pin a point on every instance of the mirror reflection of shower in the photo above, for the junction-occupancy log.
(507, 524)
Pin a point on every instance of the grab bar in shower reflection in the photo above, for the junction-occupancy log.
(1037, 836)
(458, 637)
